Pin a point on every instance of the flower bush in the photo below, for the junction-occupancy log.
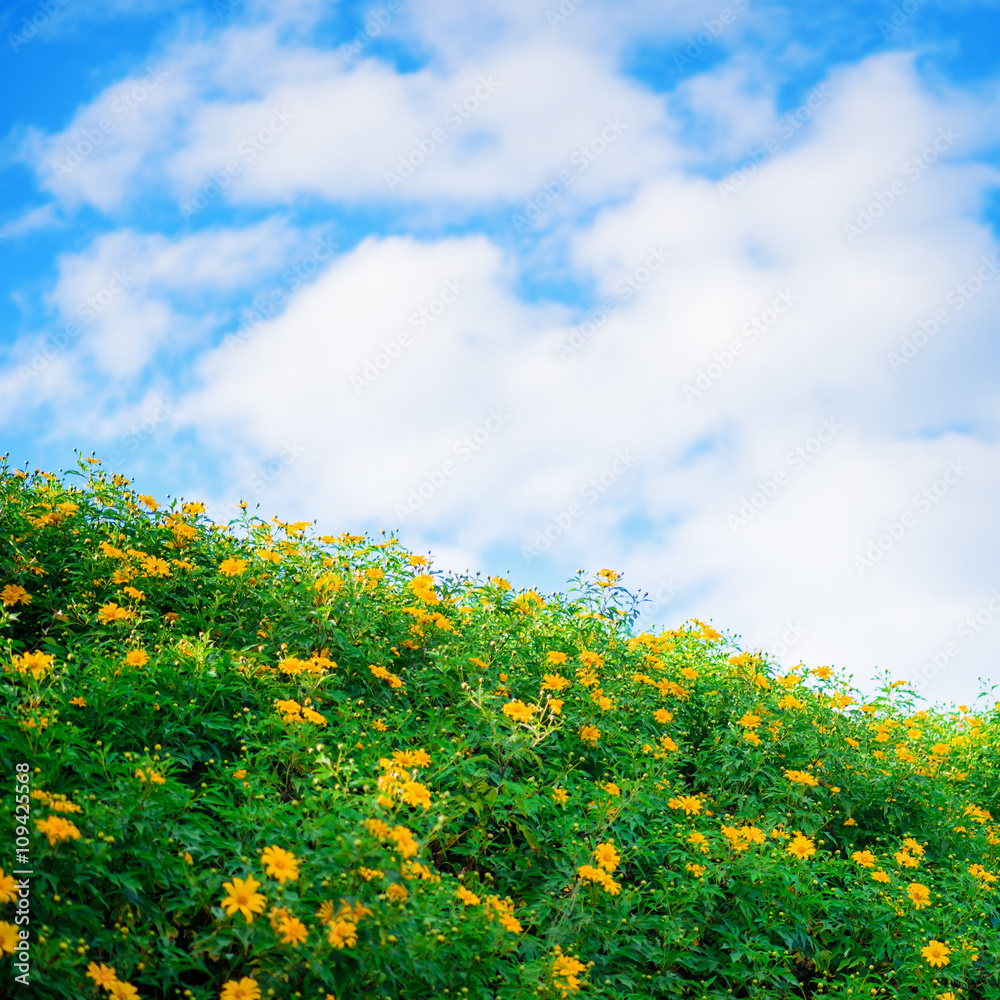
(269, 763)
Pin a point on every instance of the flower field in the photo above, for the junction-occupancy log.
(248, 761)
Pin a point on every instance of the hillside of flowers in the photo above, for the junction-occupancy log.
(249, 760)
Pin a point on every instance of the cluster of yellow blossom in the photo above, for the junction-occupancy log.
(292, 711)
(384, 674)
(566, 971)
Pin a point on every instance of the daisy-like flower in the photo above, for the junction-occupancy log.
(936, 953)
(694, 869)
(467, 897)
(9, 938)
(8, 887)
(699, 840)
(802, 777)
(691, 804)
(919, 895)
(232, 567)
(292, 931)
(555, 682)
(396, 892)
(881, 876)
(57, 829)
(560, 795)
(607, 857)
(801, 848)
(244, 989)
(102, 974)
(864, 858)
(122, 991)
(555, 658)
(14, 594)
(590, 735)
(280, 864)
(242, 896)
(518, 711)
(344, 934)
(137, 658)
(663, 715)
(416, 794)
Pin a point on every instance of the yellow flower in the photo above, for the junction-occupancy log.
(148, 501)
(245, 989)
(936, 953)
(122, 991)
(396, 892)
(555, 658)
(751, 737)
(469, 898)
(694, 869)
(280, 864)
(905, 860)
(57, 829)
(560, 795)
(947, 996)
(607, 857)
(801, 777)
(9, 938)
(111, 612)
(8, 888)
(801, 848)
(80, 702)
(663, 715)
(369, 873)
(699, 840)
(555, 705)
(566, 972)
(919, 895)
(555, 682)
(102, 974)
(136, 658)
(881, 876)
(416, 794)
(14, 594)
(590, 735)
(850, 821)
(864, 858)
(292, 931)
(240, 774)
(913, 846)
(242, 896)
(232, 567)
(689, 803)
(343, 934)
(518, 711)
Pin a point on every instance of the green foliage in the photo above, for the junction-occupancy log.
(443, 788)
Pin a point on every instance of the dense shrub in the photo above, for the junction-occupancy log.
(259, 762)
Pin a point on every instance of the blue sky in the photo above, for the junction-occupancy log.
(702, 292)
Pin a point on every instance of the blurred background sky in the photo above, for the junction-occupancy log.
(704, 292)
